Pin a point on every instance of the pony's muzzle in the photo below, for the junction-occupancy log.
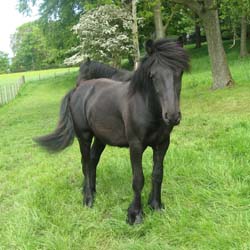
(172, 118)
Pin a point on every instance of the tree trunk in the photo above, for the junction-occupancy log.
(135, 36)
(197, 33)
(243, 37)
(208, 13)
(197, 36)
(220, 70)
(159, 28)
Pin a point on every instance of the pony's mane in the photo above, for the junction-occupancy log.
(98, 70)
(164, 52)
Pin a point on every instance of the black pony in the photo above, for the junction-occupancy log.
(135, 114)
(93, 70)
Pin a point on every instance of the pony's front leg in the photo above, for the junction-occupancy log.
(135, 212)
(159, 152)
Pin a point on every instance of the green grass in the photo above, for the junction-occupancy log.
(201, 72)
(206, 187)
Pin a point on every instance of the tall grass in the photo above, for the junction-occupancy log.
(206, 187)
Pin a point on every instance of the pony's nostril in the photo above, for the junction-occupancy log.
(173, 119)
(178, 118)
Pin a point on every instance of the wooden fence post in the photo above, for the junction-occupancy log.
(5, 94)
(22, 79)
(9, 92)
(1, 96)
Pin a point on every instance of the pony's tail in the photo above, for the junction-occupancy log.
(64, 134)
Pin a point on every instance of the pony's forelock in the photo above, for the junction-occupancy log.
(167, 53)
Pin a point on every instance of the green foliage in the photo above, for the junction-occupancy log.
(54, 9)
(231, 12)
(4, 62)
(178, 20)
(37, 46)
(206, 186)
(67, 12)
(29, 48)
(56, 21)
(183, 22)
(105, 34)
(59, 39)
(59, 16)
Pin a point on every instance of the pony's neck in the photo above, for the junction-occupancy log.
(103, 71)
(141, 82)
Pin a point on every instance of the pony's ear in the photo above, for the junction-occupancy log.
(149, 47)
(88, 60)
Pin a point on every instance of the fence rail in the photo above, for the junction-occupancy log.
(9, 92)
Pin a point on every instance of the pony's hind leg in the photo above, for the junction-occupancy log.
(90, 159)
(95, 154)
(85, 143)
(159, 152)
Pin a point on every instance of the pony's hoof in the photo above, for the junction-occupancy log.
(138, 219)
(154, 205)
(135, 218)
(88, 201)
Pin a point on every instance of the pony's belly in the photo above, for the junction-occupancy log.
(111, 133)
(107, 136)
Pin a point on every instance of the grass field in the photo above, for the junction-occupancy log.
(206, 187)
(34, 75)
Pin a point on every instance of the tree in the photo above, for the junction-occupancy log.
(29, 48)
(243, 36)
(105, 34)
(236, 13)
(159, 28)
(4, 62)
(197, 33)
(207, 10)
(59, 41)
(56, 20)
(135, 35)
(164, 12)
(163, 18)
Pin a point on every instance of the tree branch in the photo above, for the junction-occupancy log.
(191, 4)
(173, 11)
(211, 5)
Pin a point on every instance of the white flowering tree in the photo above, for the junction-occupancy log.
(105, 34)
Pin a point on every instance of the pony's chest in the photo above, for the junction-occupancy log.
(157, 135)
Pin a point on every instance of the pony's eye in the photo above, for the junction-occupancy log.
(152, 76)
